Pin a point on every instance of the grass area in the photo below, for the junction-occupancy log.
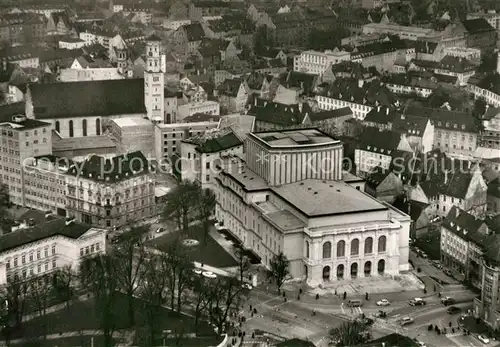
(210, 253)
(83, 316)
(195, 342)
(73, 341)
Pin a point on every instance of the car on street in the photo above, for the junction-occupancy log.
(380, 314)
(483, 339)
(421, 344)
(209, 274)
(197, 271)
(437, 264)
(383, 302)
(447, 301)
(406, 321)
(219, 226)
(453, 310)
(447, 272)
(159, 230)
(417, 302)
(247, 286)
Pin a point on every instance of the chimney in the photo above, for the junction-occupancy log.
(445, 177)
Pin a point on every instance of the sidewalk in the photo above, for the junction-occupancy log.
(117, 334)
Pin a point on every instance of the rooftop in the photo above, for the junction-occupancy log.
(132, 122)
(86, 142)
(42, 231)
(216, 143)
(317, 198)
(289, 138)
(25, 124)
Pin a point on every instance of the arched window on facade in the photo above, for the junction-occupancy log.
(327, 250)
(355, 247)
(307, 249)
(98, 126)
(341, 248)
(84, 127)
(71, 129)
(58, 126)
(368, 245)
(382, 243)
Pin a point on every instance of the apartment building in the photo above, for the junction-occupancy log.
(191, 108)
(202, 154)
(404, 32)
(471, 246)
(22, 139)
(45, 183)
(168, 137)
(133, 134)
(282, 200)
(490, 136)
(110, 192)
(486, 87)
(471, 54)
(47, 247)
(317, 63)
(21, 27)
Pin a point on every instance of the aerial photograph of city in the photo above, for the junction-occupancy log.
(251, 173)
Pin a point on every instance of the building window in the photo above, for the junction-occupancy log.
(327, 250)
(84, 127)
(46, 252)
(71, 130)
(307, 249)
(53, 249)
(31, 257)
(355, 247)
(38, 254)
(23, 259)
(368, 245)
(58, 126)
(98, 126)
(54, 263)
(382, 243)
(81, 252)
(340, 249)
(97, 247)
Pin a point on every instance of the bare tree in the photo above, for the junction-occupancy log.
(349, 334)
(202, 293)
(179, 269)
(63, 284)
(6, 219)
(153, 292)
(129, 257)
(280, 269)
(243, 263)
(225, 298)
(205, 208)
(180, 204)
(98, 276)
(39, 290)
(12, 304)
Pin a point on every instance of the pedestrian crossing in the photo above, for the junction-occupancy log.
(351, 310)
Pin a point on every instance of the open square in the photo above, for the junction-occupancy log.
(209, 252)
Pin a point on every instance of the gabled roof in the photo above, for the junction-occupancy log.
(372, 93)
(409, 125)
(230, 87)
(9, 110)
(456, 64)
(465, 225)
(444, 119)
(381, 115)
(296, 79)
(377, 176)
(91, 98)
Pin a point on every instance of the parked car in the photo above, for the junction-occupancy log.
(483, 339)
(447, 301)
(247, 286)
(197, 271)
(453, 310)
(421, 344)
(219, 226)
(447, 272)
(406, 321)
(417, 302)
(160, 230)
(380, 314)
(209, 274)
(383, 302)
(437, 264)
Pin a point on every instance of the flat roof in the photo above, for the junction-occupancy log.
(248, 179)
(86, 142)
(131, 122)
(317, 198)
(26, 124)
(294, 138)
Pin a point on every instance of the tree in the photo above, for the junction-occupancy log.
(478, 112)
(153, 292)
(39, 289)
(178, 270)
(262, 40)
(206, 208)
(488, 61)
(6, 219)
(180, 205)
(349, 334)
(12, 304)
(225, 298)
(98, 276)
(243, 263)
(129, 258)
(63, 284)
(280, 269)
(202, 293)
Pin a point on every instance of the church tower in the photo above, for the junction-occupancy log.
(154, 80)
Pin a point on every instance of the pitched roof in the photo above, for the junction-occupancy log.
(465, 225)
(194, 32)
(450, 177)
(410, 125)
(9, 110)
(477, 25)
(444, 119)
(215, 144)
(116, 169)
(381, 115)
(80, 99)
(329, 114)
(42, 231)
(374, 140)
(377, 176)
(230, 87)
(277, 113)
(295, 79)
(456, 64)
(371, 93)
